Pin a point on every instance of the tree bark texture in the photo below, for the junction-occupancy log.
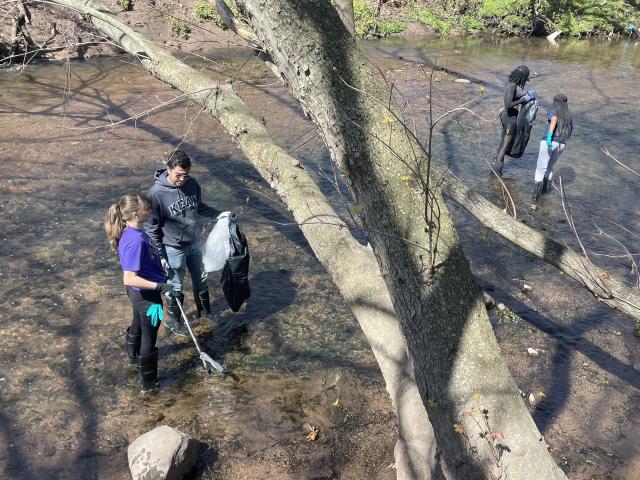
(462, 377)
(345, 10)
(352, 266)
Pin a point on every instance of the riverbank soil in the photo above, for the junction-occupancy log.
(70, 405)
(56, 33)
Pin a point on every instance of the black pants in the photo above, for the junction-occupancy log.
(509, 125)
(141, 300)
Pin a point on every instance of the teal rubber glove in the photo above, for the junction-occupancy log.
(155, 313)
(549, 136)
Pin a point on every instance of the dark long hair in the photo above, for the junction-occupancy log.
(520, 75)
(564, 128)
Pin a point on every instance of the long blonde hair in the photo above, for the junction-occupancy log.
(115, 220)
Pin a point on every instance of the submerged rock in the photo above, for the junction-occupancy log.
(162, 454)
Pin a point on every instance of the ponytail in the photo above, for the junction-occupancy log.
(115, 220)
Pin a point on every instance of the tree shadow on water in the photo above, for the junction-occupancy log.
(271, 292)
(568, 340)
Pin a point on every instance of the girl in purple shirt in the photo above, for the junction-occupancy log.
(143, 278)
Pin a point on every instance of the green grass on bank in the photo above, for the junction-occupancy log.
(581, 18)
(374, 19)
(372, 25)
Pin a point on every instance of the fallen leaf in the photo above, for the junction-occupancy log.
(312, 435)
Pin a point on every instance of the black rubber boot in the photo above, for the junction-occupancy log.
(545, 185)
(203, 304)
(148, 369)
(537, 191)
(133, 347)
(174, 321)
(173, 309)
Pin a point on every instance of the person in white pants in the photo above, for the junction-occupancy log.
(559, 129)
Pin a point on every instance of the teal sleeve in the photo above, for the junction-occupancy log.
(549, 137)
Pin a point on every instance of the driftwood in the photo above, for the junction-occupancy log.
(19, 30)
(602, 285)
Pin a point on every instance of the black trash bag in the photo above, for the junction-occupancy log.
(524, 123)
(235, 274)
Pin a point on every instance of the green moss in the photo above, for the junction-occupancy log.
(470, 24)
(577, 18)
(583, 18)
(497, 8)
(179, 27)
(125, 5)
(392, 26)
(205, 12)
(433, 19)
(369, 25)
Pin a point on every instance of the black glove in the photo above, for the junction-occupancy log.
(166, 288)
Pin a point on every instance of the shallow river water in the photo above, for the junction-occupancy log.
(69, 406)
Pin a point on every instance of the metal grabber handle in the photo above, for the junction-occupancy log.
(206, 359)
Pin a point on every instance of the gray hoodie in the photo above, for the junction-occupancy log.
(174, 212)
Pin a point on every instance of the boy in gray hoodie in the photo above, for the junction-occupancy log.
(173, 226)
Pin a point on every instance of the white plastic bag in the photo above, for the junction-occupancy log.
(218, 246)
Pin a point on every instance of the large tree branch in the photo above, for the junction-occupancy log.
(606, 288)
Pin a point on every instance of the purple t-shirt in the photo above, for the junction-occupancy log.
(138, 255)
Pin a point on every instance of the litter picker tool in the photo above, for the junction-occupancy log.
(206, 359)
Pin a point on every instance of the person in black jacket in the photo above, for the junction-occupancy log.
(513, 98)
(176, 203)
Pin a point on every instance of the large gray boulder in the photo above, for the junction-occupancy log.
(162, 454)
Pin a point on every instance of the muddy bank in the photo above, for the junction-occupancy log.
(60, 34)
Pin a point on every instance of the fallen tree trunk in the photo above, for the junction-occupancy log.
(603, 286)
(352, 266)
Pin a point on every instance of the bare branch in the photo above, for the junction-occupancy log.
(606, 152)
